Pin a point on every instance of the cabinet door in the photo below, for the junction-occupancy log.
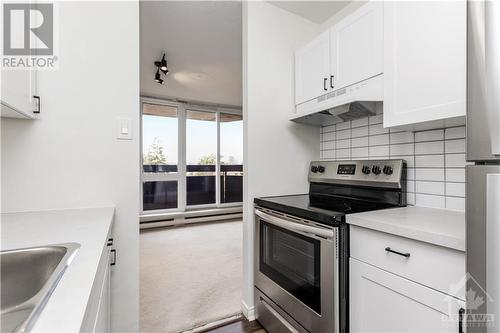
(356, 46)
(18, 89)
(424, 61)
(384, 302)
(102, 323)
(312, 69)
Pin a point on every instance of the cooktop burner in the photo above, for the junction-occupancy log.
(328, 210)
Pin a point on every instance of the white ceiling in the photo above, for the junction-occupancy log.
(315, 11)
(202, 40)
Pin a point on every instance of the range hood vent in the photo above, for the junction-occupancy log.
(357, 101)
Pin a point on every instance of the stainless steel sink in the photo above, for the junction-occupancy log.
(28, 278)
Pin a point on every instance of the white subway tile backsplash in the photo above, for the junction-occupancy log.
(454, 146)
(343, 144)
(410, 198)
(454, 133)
(328, 145)
(402, 137)
(343, 153)
(402, 149)
(326, 129)
(435, 159)
(430, 174)
(429, 135)
(379, 140)
(359, 131)
(455, 203)
(344, 125)
(328, 154)
(429, 161)
(455, 160)
(455, 175)
(377, 129)
(359, 122)
(328, 136)
(379, 151)
(430, 187)
(378, 119)
(343, 134)
(433, 147)
(432, 201)
(455, 189)
(360, 152)
(359, 142)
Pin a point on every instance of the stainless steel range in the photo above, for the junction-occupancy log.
(302, 243)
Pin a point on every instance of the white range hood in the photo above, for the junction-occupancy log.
(356, 101)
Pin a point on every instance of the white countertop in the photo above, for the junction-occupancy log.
(65, 310)
(436, 226)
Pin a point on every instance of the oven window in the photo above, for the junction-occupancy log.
(293, 262)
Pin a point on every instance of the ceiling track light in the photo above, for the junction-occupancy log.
(161, 66)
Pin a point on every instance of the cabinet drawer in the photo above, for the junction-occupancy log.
(434, 266)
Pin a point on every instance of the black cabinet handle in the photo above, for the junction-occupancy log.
(461, 320)
(38, 104)
(324, 84)
(331, 81)
(110, 242)
(113, 251)
(388, 249)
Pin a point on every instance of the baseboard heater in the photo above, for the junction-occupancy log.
(180, 218)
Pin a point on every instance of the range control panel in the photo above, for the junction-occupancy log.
(384, 173)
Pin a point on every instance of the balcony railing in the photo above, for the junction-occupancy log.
(200, 186)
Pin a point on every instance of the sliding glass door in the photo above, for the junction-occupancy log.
(192, 156)
(160, 128)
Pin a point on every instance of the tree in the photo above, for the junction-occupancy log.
(208, 160)
(155, 155)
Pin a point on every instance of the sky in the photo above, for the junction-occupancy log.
(201, 138)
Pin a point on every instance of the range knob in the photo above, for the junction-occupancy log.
(314, 169)
(376, 169)
(321, 169)
(388, 170)
(366, 170)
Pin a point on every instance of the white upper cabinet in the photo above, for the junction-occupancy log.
(18, 88)
(312, 69)
(424, 62)
(356, 46)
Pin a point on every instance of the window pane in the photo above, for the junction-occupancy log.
(231, 150)
(159, 195)
(159, 138)
(201, 154)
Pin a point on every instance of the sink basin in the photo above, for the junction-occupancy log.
(29, 276)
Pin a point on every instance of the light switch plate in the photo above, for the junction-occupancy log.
(124, 128)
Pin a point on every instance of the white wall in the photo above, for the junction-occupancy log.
(69, 158)
(277, 151)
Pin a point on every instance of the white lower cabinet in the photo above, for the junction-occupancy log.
(403, 285)
(384, 302)
(98, 314)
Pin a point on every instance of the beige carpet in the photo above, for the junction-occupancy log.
(190, 276)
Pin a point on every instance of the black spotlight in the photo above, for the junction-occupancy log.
(158, 77)
(162, 64)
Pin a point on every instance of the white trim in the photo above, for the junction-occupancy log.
(248, 312)
(193, 220)
(215, 324)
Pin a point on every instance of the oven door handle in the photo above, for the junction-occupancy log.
(294, 226)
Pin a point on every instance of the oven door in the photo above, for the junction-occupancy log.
(296, 267)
